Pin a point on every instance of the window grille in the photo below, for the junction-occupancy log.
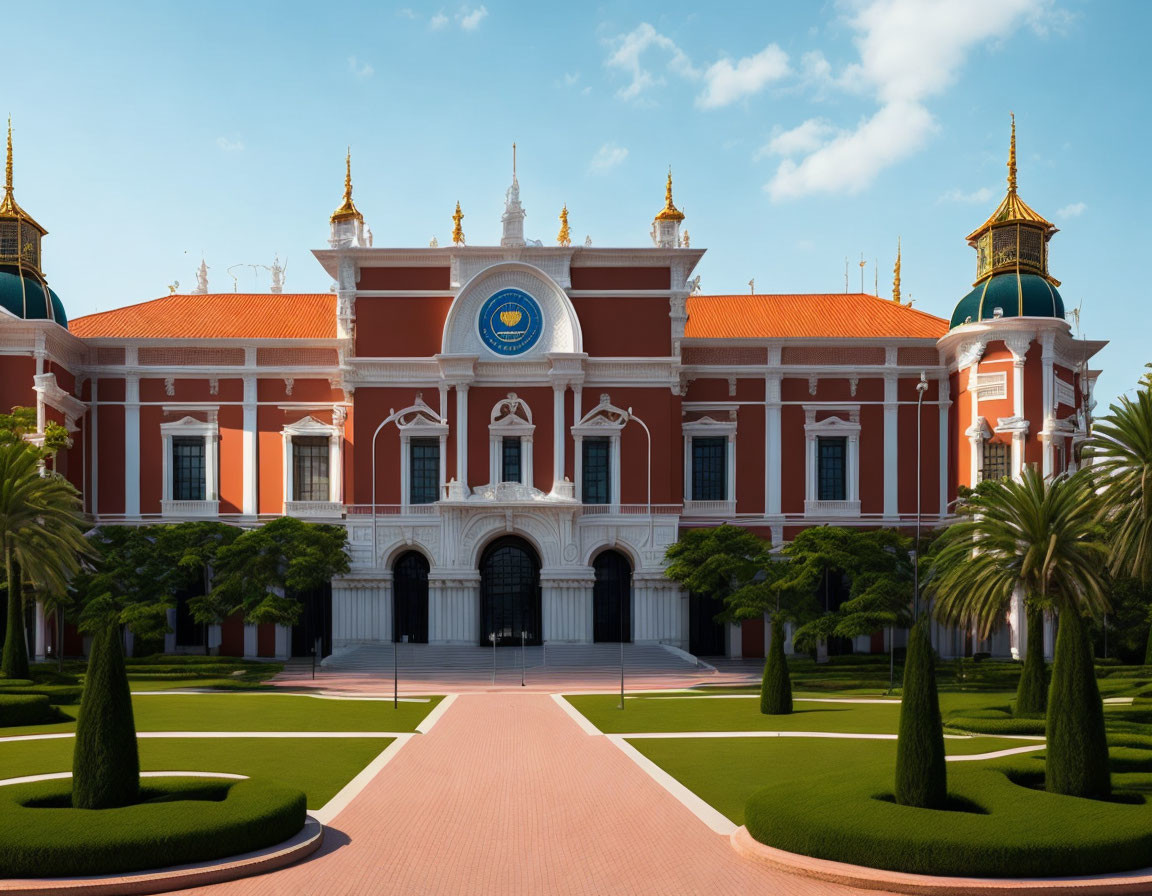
(832, 476)
(310, 469)
(510, 459)
(709, 469)
(188, 468)
(595, 471)
(995, 461)
(423, 471)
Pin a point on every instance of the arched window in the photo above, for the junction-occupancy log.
(410, 598)
(510, 593)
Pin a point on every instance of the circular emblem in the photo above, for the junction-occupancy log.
(510, 322)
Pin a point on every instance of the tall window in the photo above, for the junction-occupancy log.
(510, 459)
(595, 486)
(187, 468)
(310, 468)
(995, 464)
(423, 471)
(832, 478)
(709, 469)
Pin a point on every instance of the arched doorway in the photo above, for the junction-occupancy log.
(612, 598)
(510, 592)
(410, 598)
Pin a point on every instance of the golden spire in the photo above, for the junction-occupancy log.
(347, 209)
(1012, 158)
(8, 164)
(563, 237)
(896, 275)
(457, 230)
(669, 212)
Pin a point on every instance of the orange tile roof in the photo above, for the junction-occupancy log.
(813, 316)
(226, 315)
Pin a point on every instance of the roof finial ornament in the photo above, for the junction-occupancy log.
(513, 160)
(669, 212)
(457, 230)
(896, 275)
(8, 163)
(564, 238)
(1012, 158)
(347, 208)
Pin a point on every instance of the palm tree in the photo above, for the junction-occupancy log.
(1121, 452)
(1042, 535)
(41, 539)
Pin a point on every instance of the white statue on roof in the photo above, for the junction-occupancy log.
(277, 270)
(201, 278)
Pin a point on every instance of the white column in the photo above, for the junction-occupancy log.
(248, 447)
(1017, 411)
(170, 636)
(1047, 356)
(891, 446)
(39, 639)
(1017, 625)
(853, 468)
(614, 469)
(557, 436)
(772, 454)
(977, 443)
(462, 433)
(93, 438)
(283, 645)
(132, 446)
(945, 440)
(730, 485)
(249, 641)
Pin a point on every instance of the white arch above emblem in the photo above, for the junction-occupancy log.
(560, 328)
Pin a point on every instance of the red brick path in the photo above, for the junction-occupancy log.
(506, 795)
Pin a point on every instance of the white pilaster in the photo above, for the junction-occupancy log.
(249, 641)
(131, 445)
(462, 433)
(557, 435)
(943, 389)
(248, 447)
(891, 445)
(39, 639)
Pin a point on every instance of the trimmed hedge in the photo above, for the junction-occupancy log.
(57, 694)
(179, 821)
(1002, 829)
(27, 709)
(994, 720)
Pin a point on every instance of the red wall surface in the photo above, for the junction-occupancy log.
(400, 327)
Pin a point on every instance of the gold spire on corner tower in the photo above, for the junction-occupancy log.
(1012, 157)
(669, 212)
(457, 230)
(896, 275)
(563, 238)
(347, 209)
(8, 164)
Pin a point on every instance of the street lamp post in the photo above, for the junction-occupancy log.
(492, 638)
(921, 388)
(523, 638)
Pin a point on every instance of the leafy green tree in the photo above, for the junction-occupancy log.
(921, 774)
(257, 573)
(193, 549)
(1042, 535)
(41, 538)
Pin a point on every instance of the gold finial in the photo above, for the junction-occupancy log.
(347, 208)
(564, 238)
(8, 164)
(1012, 158)
(669, 212)
(896, 275)
(457, 230)
(513, 161)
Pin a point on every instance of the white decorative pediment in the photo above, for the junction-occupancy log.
(418, 418)
(605, 418)
(510, 412)
(1012, 425)
(309, 426)
(979, 431)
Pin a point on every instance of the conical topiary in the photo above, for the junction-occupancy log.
(1076, 761)
(14, 660)
(1032, 692)
(105, 762)
(921, 777)
(776, 689)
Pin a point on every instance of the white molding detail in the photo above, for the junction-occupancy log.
(209, 431)
(511, 418)
(832, 427)
(310, 427)
(603, 421)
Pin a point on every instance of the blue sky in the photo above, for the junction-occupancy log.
(799, 135)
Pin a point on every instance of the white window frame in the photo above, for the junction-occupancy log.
(844, 423)
(511, 418)
(310, 427)
(209, 431)
(419, 421)
(710, 428)
(606, 420)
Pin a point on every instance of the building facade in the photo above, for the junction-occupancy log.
(513, 434)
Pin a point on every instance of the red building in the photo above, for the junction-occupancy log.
(513, 434)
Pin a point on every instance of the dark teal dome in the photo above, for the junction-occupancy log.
(1016, 295)
(28, 297)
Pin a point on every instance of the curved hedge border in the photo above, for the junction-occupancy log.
(27, 709)
(1004, 829)
(182, 820)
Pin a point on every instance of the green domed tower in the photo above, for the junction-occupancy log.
(1012, 278)
(24, 291)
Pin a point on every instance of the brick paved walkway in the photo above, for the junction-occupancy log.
(506, 795)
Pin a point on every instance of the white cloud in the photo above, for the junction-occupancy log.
(438, 21)
(470, 19)
(910, 50)
(725, 83)
(406, 13)
(984, 194)
(230, 145)
(849, 162)
(607, 157)
(809, 136)
(628, 53)
(1072, 211)
(570, 78)
(360, 69)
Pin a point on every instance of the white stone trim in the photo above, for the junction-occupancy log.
(419, 421)
(209, 431)
(305, 428)
(832, 427)
(603, 421)
(891, 443)
(708, 427)
(511, 417)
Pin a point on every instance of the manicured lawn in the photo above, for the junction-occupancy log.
(318, 766)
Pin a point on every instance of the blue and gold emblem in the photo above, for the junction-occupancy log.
(510, 322)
